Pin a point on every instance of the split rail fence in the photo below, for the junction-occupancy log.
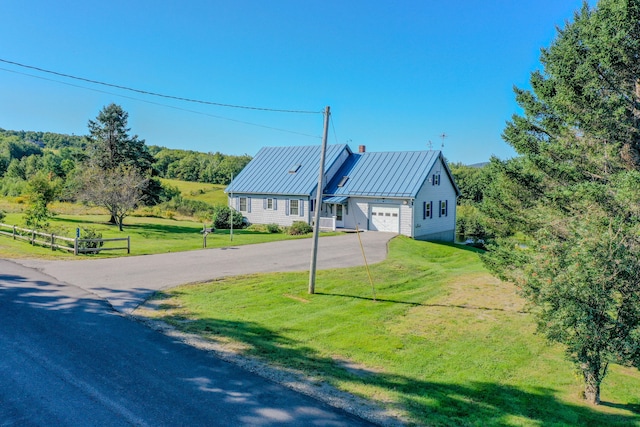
(53, 241)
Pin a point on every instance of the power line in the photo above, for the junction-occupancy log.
(144, 92)
(165, 105)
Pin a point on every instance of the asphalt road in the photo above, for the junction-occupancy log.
(67, 358)
(126, 282)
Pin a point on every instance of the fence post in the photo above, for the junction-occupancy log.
(52, 237)
(75, 246)
(33, 237)
(14, 232)
(128, 244)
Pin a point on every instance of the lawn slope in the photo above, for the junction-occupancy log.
(445, 343)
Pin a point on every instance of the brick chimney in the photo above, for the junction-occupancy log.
(362, 149)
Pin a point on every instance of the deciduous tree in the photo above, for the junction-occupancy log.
(119, 190)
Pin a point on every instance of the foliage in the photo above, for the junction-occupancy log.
(471, 182)
(215, 168)
(110, 144)
(445, 344)
(2, 216)
(566, 214)
(470, 223)
(265, 228)
(41, 191)
(89, 233)
(119, 190)
(222, 215)
(188, 207)
(299, 228)
(273, 228)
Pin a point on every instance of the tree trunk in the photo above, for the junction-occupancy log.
(120, 219)
(591, 386)
(113, 219)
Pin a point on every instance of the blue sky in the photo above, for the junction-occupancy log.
(395, 74)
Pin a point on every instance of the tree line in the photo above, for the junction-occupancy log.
(108, 167)
(24, 153)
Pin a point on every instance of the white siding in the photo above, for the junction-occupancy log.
(438, 227)
(257, 214)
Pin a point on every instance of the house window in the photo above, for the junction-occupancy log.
(436, 179)
(293, 207)
(428, 210)
(338, 212)
(443, 208)
(270, 204)
(243, 204)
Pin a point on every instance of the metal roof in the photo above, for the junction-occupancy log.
(387, 174)
(337, 200)
(285, 170)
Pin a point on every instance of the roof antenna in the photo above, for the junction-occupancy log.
(430, 145)
(443, 136)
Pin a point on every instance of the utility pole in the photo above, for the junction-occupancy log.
(318, 204)
(231, 210)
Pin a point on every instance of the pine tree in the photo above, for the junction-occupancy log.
(566, 212)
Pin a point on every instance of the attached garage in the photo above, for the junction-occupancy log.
(385, 218)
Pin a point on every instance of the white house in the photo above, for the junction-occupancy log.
(411, 193)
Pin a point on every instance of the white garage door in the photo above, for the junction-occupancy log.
(385, 218)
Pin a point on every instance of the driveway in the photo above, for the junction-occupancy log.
(126, 282)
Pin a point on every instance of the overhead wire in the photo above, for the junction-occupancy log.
(163, 105)
(335, 135)
(145, 92)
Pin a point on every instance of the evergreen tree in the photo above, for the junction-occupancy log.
(566, 213)
(110, 143)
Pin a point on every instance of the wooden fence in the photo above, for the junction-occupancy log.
(53, 241)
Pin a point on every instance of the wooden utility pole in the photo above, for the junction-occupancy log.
(231, 209)
(318, 204)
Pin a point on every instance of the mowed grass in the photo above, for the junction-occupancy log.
(210, 193)
(148, 236)
(445, 343)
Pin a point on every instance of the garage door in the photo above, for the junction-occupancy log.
(385, 218)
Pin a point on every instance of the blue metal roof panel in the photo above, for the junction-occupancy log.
(339, 200)
(269, 171)
(388, 174)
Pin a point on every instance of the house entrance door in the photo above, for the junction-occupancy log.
(339, 216)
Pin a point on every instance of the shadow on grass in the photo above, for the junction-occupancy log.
(466, 306)
(427, 402)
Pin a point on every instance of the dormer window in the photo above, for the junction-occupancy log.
(343, 181)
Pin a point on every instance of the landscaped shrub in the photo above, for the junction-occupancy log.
(273, 228)
(299, 228)
(221, 215)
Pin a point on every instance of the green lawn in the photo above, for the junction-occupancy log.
(148, 235)
(445, 343)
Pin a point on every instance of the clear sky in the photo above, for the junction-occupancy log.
(395, 74)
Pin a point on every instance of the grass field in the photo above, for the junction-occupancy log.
(445, 343)
(209, 193)
(148, 235)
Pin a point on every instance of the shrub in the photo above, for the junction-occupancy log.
(258, 228)
(299, 228)
(221, 215)
(90, 233)
(2, 215)
(273, 228)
